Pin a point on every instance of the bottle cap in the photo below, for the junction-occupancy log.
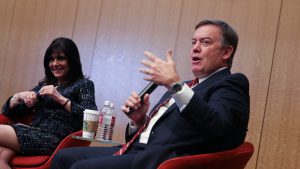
(107, 102)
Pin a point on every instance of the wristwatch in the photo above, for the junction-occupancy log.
(176, 87)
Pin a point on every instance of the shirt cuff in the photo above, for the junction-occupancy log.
(183, 97)
(132, 128)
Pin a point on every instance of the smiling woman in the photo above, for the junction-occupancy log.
(59, 66)
(62, 58)
(58, 102)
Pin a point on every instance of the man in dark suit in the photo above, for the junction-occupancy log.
(196, 118)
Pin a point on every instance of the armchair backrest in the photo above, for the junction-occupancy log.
(4, 119)
(17, 119)
(231, 159)
(44, 162)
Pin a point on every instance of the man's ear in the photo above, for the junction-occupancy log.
(227, 52)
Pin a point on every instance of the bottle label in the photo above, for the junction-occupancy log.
(105, 127)
(107, 120)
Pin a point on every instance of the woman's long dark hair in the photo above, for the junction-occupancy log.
(69, 48)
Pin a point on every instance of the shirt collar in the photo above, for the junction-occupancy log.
(204, 78)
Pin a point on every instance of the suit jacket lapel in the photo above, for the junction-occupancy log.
(212, 79)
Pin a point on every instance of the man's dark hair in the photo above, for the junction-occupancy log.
(229, 35)
(69, 48)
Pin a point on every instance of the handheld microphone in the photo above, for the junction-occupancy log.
(147, 90)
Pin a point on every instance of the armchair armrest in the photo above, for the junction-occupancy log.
(4, 119)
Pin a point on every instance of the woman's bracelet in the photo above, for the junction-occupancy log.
(64, 105)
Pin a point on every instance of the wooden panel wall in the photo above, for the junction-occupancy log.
(85, 31)
(126, 30)
(113, 34)
(6, 13)
(280, 144)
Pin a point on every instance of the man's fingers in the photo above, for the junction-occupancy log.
(147, 63)
(169, 55)
(146, 71)
(150, 55)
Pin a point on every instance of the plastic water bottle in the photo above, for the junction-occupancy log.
(106, 122)
(112, 118)
(99, 133)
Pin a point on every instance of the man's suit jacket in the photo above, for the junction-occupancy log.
(215, 119)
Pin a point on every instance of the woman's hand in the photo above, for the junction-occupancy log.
(27, 97)
(52, 92)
